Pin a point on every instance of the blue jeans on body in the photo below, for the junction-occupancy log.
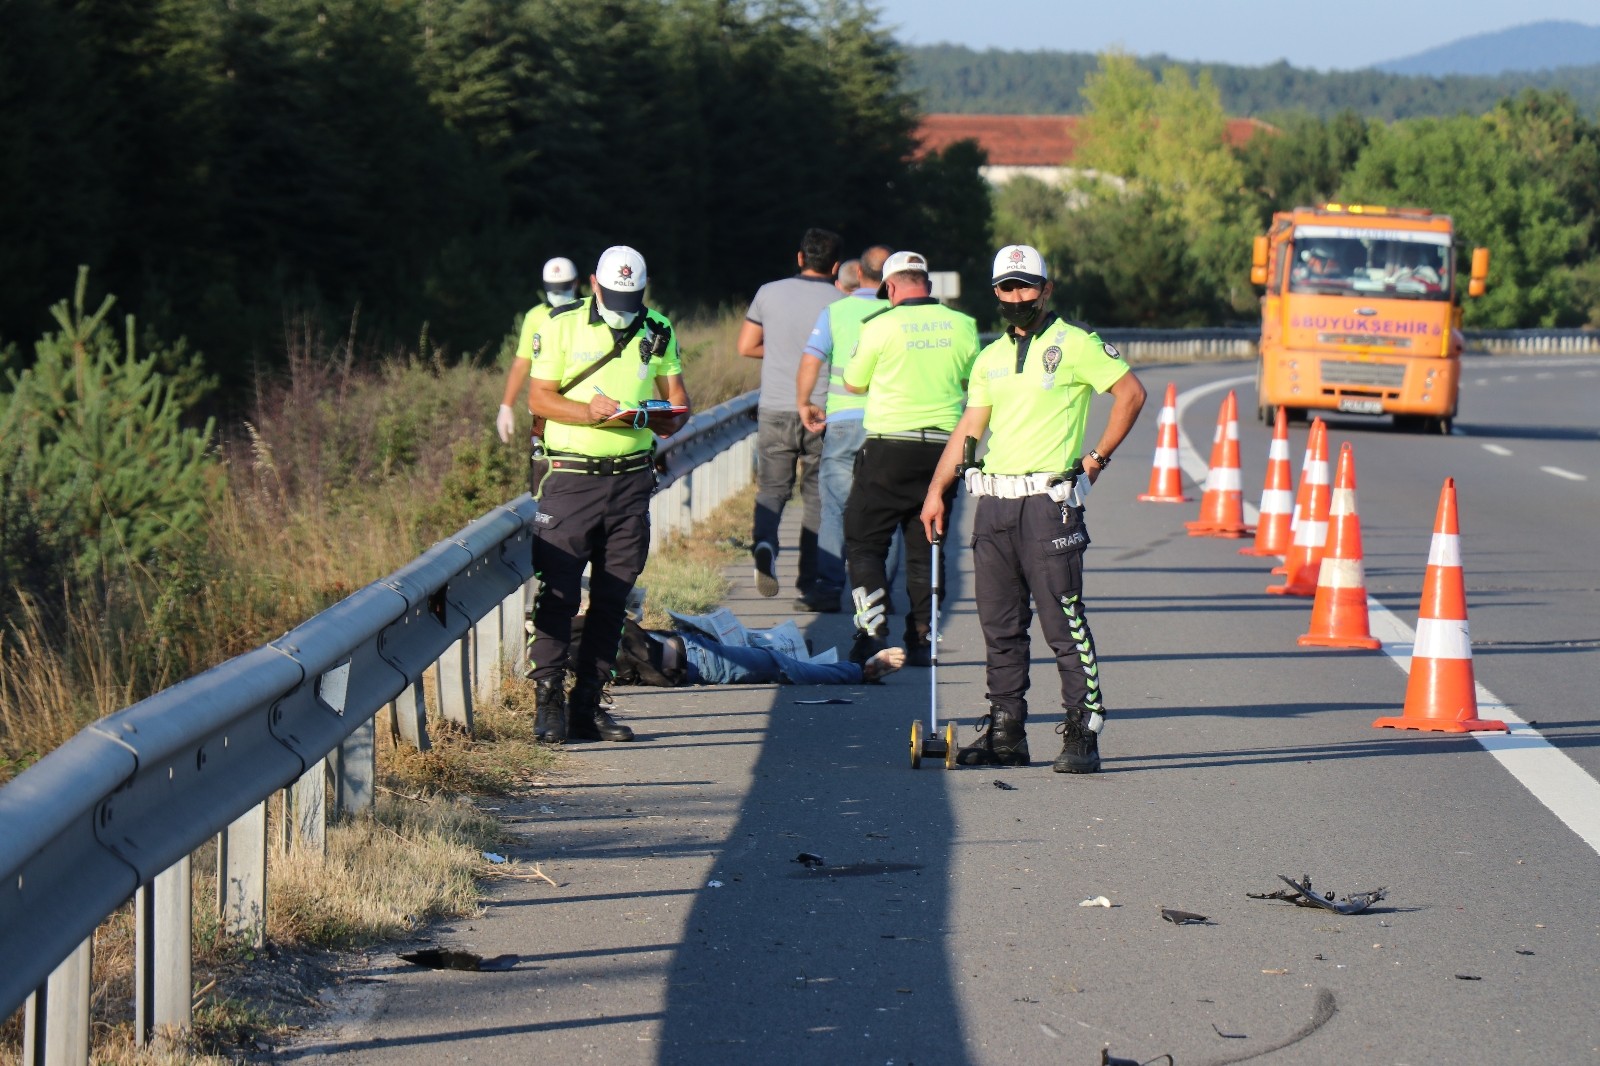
(837, 473)
(714, 663)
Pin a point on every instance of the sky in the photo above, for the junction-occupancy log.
(1346, 35)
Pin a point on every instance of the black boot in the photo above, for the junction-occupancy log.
(866, 646)
(550, 715)
(587, 720)
(1001, 740)
(1080, 745)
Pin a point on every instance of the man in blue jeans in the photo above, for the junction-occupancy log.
(666, 658)
(832, 342)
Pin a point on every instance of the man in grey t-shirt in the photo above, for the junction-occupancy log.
(775, 331)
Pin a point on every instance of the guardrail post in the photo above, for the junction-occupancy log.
(486, 658)
(513, 638)
(408, 718)
(164, 953)
(242, 877)
(453, 675)
(55, 1029)
(305, 810)
(356, 770)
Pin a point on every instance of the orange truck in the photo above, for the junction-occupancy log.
(1361, 314)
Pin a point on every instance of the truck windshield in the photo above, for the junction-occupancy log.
(1394, 264)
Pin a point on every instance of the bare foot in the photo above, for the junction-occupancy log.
(884, 662)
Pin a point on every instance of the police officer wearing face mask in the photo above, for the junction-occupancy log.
(595, 363)
(560, 289)
(1031, 389)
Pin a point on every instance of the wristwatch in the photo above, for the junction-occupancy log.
(1103, 460)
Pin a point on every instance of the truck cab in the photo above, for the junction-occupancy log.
(1361, 314)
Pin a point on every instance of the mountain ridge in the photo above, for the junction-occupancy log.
(1532, 47)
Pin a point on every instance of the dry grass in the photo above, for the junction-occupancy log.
(319, 507)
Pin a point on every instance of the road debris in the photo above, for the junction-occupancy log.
(808, 860)
(713, 884)
(1301, 894)
(822, 703)
(1184, 917)
(1108, 1059)
(1003, 787)
(1228, 1036)
(1468, 977)
(450, 959)
(1096, 901)
(492, 857)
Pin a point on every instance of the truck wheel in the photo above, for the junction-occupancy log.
(1266, 413)
(1294, 414)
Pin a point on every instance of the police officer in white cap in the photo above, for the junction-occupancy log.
(598, 364)
(560, 289)
(1031, 389)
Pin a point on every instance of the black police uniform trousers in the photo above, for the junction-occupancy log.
(602, 521)
(891, 483)
(1032, 548)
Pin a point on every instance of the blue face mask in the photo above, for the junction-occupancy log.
(561, 297)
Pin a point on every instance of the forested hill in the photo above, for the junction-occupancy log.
(958, 79)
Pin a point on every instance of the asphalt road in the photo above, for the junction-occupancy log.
(944, 924)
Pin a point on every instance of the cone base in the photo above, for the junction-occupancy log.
(1292, 590)
(1205, 529)
(1442, 725)
(1275, 552)
(1313, 640)
(1147, 498)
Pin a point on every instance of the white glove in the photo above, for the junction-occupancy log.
(974, 479)
(506, 423)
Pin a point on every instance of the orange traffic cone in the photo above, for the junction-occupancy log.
(1339, 614)
(1301, 565)
(1222, 505)
(1166, 484)
(1273, 535)
(1310, 473)
(1441, 695)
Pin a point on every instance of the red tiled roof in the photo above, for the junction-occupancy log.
(1032, 140)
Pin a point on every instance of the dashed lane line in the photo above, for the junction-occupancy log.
(1549, 773)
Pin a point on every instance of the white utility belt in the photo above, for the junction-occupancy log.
(1016, 486)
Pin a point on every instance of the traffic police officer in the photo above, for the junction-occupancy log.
(594, 365)
(1031, 389)
(560, 289)
(912, 361)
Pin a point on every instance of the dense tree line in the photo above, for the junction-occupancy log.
(959, 79)
(227, 167)
(1160, 236)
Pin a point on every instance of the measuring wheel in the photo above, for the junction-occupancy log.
(916, 744)
(950, 746)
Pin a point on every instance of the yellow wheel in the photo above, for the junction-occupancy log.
(916, 745)
(949, 745)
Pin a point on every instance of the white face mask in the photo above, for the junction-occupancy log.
(617, 319)
(561, 297)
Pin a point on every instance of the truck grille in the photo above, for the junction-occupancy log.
(1379, 375)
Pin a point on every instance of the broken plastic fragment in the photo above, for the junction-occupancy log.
(808, 860)
(1183, 917)
(1097, 901)
(713, 884)
(1301, 894)
(823, 703)
(492, 857)
(1003, 787)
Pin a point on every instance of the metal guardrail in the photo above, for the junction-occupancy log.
(117, 810)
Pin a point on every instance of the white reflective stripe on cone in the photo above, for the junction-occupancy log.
(1276, 501)
(1341, 573)
(1166, 458)
(1445, 550)
(1223, 479)
(1442, 638)
(1343, 503)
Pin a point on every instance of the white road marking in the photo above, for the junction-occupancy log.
(1546, 771)
(1497, 449)
(1558, 472)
